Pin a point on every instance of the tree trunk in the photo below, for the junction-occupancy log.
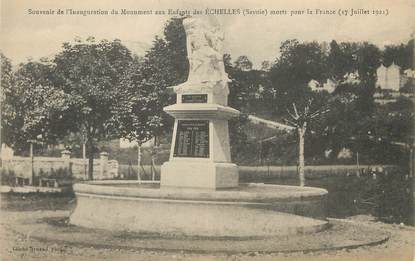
(84, 159)
(32, 164)
(153, 169)
(138, 161)
(91, 160)
(301, 135)
(153, 164)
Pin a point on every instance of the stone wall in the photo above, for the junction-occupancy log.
(103, 168)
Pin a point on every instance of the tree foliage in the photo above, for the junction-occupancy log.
(352, 67)
(100, 90)
(90, 73)
(298, 64)
(32, 105)
(401, 55)
(147, 81)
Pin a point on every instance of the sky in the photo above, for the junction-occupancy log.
(25, 35)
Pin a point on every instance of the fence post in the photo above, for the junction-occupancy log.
(66, 157)
(103, 164)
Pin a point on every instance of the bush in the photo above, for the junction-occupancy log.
(128, 171)
(409, 87)
(58, 174)
(8, 177)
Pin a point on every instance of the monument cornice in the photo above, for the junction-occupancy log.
(214, 87)
(207, 110)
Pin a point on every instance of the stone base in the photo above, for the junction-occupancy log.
(248, 211)
(199, 174)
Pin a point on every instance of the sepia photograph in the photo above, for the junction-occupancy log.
(207, 130)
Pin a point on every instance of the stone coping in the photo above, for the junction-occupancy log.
(246, 192)
(121, 182)
(32, 189)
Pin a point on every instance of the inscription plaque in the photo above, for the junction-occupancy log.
(194, 98)
(192, 139)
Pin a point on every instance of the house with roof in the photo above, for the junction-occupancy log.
(389, 78)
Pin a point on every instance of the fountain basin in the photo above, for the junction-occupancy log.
(250, 210)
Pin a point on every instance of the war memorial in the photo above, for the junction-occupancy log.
(199, 192)
(199, 204)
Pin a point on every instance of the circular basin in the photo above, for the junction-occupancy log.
(250, 210)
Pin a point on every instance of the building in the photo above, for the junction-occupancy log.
(351, 78)
(314, 85)
(328, 86)
(409, 73)
(388, 78)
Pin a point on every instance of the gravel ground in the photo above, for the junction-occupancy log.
(15, 246)
(22, 246)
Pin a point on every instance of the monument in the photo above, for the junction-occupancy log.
(200, 153)
(199, 193)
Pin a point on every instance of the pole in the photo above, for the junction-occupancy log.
(260, 153)
(153, 169)
(84, 159)
(411, 162)
(138, 160)
(32, 164)
(357, 164)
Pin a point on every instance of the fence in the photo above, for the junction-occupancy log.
(22, 166)
(251, 173)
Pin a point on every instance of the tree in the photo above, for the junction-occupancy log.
(6, 80)
(298, 64)
(294, 101)
(333, 131)
(243, 91)
(409, 86)
(90, 73)
(265, 66)
(165, 65)
(401, 55)
(141, 116)
(31, 106)
(341, 60)
(300, 119)
(244, 82)
(243, 63)
(146, 84)
(392, 126)
(368, 60)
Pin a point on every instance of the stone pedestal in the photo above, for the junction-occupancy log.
(200, 153)
(208, 175)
